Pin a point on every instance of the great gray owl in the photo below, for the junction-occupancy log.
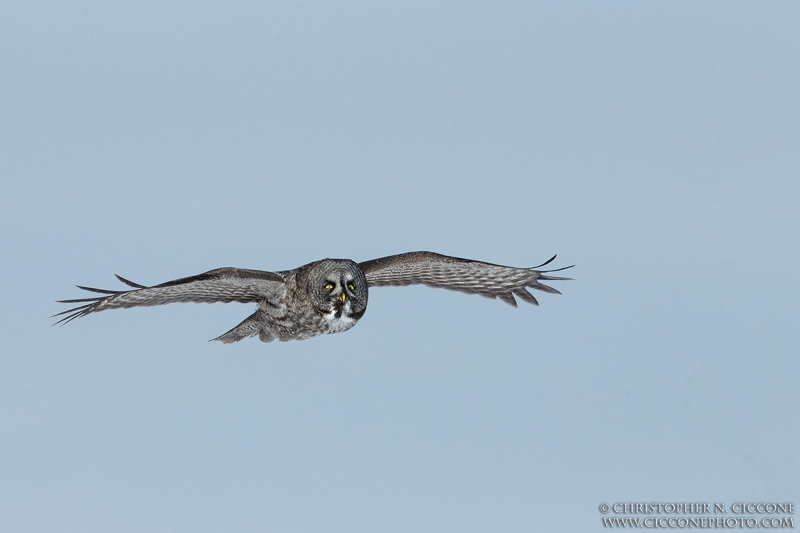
(325, 296)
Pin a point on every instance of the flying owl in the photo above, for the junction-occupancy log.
(327, 296)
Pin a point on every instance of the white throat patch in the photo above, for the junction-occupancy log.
(343, 323)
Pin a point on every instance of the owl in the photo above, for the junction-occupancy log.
(327, 296)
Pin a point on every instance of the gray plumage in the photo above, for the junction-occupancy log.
(327, 296)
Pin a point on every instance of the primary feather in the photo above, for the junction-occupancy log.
(457, 274)
(219, 285)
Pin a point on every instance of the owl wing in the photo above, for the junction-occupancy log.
(457, 274)
(219, 285)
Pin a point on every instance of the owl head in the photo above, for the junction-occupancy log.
(338, 287)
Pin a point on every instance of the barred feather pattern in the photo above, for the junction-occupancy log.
(463, 275)
(219, 285)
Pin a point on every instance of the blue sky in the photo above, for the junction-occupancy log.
(654, 145)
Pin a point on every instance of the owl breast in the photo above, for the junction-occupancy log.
(300, 326)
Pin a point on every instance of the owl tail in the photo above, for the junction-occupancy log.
(249, 327)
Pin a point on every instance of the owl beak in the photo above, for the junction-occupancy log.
(344, 297)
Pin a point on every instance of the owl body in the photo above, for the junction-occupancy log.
(326, 296)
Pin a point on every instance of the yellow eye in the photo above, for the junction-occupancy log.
(329, 286)
(351, 287)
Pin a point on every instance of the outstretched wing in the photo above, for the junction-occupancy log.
(219, 285)
(457, 274)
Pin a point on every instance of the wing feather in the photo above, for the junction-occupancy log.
(219, 285)
(458, 274)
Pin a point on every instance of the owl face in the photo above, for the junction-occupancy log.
(338, 289)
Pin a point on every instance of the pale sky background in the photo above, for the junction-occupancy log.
(654, 145)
